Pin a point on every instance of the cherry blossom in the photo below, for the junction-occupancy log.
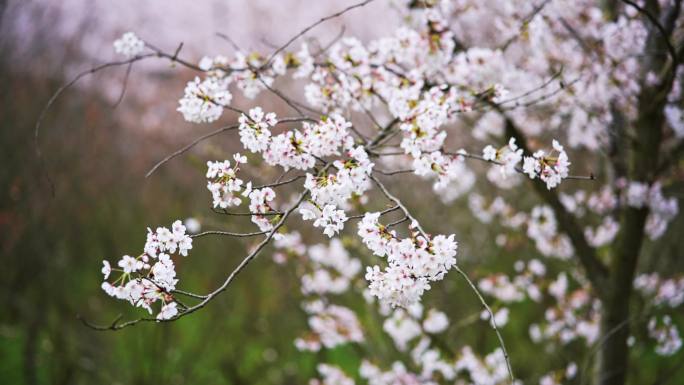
(224, 185)
(151, 276)
(204, 100)
(412, 262)
(129, 45)
(666, 335)
(255, 131)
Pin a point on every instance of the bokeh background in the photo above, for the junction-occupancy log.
(52, 245)
(97, 153)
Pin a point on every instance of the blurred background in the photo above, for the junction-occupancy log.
(97, 156)
(97, 152)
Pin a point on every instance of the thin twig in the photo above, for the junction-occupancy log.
(312, 26)
(383, 212)
(188, 294)
(209, 135)
(189, 146)
(124, 85)
(491, 318)
(228, 233)
(56, 95)
(280, 183)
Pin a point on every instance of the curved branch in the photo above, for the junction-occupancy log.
(209, 135)
(189, 146)
(228, 233)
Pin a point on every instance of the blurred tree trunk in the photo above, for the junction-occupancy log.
(645, 139)
(31, 352)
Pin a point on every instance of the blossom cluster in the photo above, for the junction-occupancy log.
(661, 209)
(574, 313)
(508, 157)
(331, 192)
(330, 325)
(666, 335)
(150, 277)
(331, 375)
(255, 133)
(129, 45)
(412, 262)
(226, 189)
(669, 292)
(223, 183)
(540, 224)
(551, 168)
(328, 270)
(575, 316)
(332, 269)
(524, 285)
(204, 100)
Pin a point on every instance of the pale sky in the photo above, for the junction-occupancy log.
(94, 24)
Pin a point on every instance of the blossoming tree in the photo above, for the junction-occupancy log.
(579, 102)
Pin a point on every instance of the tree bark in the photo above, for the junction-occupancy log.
(613, 358)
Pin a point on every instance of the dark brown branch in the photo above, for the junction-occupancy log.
(228, 233)
(56, 95)
(226, 212)
(209, 135)
(383, 212)
(229, 40)
(280, 183)
(189, 146)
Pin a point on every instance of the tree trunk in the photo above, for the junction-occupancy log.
(613, 358)
(647, 135)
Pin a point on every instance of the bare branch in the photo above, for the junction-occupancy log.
(188, 294)
(312, 26)
(209, 135)
(124, 85)
(280, 183)
(491, 318)
(228, 233)
(189, 146)
(57, 94)
(383, 212)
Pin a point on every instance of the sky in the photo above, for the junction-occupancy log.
(92, 25)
